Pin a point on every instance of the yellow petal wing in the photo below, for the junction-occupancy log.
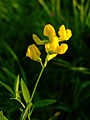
(64, 34)
(61, 49)
(68, 33)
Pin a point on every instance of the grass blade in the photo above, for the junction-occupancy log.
(7, 87)
(43, 103)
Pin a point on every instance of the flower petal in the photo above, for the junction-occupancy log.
(54, 44)
(68, 33)
(61, 49)
(51, 56)
(64, 34)
(49, 31)
(51, 47)
(38, 41)
(48, 48)
(34, 53)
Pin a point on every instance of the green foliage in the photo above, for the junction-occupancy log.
(2, 117)
(43, 103)
(88, 19)
(7, 87)
(25, 91)
(16, 88)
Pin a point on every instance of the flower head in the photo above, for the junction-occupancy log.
(52, 46)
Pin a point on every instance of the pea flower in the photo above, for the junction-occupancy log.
(34, 53)
(52, 46)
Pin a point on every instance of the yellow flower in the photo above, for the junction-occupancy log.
(64, 34)
(34, 53)
(52, 47)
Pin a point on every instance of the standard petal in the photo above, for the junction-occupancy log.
(49, 31)
(61, 49)
(33, 52)
(38, 41)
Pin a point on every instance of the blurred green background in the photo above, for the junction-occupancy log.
(67, 77)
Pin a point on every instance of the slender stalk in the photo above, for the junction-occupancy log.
(82, 11)
(58, 8)
(53, 6)
(30, 101)
(45, 6)
(18, 101)
(29, 115)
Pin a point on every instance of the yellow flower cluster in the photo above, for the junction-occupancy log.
(52, 46)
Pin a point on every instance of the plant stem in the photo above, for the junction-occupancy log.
(58, 8)
(45, 6)
(29, 104)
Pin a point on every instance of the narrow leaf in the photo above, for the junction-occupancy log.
(64, 108)
(9, 73)
(7, 87)
(25, 91)
(43, 103)
(2, 117)
(8, 48)
(84, 85)
(16, 88)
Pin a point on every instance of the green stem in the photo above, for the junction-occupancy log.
(58, 8)
(45, 6)
(53, 6)
(18, 101)
(29, 104)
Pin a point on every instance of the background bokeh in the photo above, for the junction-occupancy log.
(67, 77)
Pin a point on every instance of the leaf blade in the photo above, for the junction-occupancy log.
(16, 88)
(7, 87)
(25, 91)
(43, 103)
(2, 117)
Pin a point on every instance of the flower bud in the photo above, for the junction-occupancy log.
(34, 53)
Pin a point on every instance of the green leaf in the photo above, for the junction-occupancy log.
(64, 108)
(7, 87)
(2, 117)
(25, 91)
(9, 73)
(18, 101)
(16, 88)
(8, 48)
(88, 19)
(43, 103)
(83, 86)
